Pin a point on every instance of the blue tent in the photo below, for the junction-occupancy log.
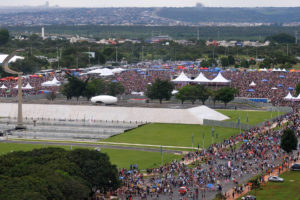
(282, 76)
(279, 85)
(264, 80)
(209, 185)
(251, 90)
(290, 88)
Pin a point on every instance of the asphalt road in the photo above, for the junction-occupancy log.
(91, 145)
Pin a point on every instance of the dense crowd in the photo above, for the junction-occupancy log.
(271, 85)
(218, 168)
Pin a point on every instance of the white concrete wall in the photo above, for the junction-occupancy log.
(78, 112)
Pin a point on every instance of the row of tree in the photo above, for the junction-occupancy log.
(89, 88)
(54, 173)
(202, 93)
(162, 89)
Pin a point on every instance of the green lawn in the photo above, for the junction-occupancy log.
(289, 189)
(254, 117)
(173, 135)
(122, 158)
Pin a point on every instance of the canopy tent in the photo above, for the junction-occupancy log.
(53, 83)
(251, 90)
(274, 88)
(279, 85)
(201, 79)
(27, 87)
(3, 87)
(220, 79)
(289, 97)
(252, 84)
(263, 70)
(290, 88)
(182, 78)
(264, 80)
(103, 72)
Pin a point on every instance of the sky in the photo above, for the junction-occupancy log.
(154, 3)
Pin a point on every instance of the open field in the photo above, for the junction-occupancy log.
(289, 189)
(174, 135)
(254, 117)
(122, 158)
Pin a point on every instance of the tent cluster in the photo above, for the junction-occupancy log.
(289, 97)
(106, 71)
(182, 78)
(27, 87)
(53, 83)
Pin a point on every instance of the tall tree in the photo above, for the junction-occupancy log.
(160, 89)
(226, 94)
(115, 88)
(202, 93)
(288, 140)
(4, 36)
(298, 89)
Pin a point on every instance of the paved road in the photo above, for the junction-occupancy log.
(90, 145)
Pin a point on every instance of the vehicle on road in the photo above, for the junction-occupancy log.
(249, 197)
(275, 179)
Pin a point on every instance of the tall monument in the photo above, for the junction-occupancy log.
(20, 96)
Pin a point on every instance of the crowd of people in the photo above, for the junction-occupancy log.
(271, 85)
(218, 168)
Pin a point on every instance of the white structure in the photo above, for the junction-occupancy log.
(28, 87)
(106, 99)
(201, 79)
(102, 72)
(3, 87)
(174, 92)
(43, 33)
(289, 97)
(182, 78)
(134, 114)
(252, 84)
(220, 79)
(14, 59)
(53, 83)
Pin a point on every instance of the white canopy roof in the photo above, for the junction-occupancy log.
(263, 70)
(182, 78)
(52, 83)
(102, 72)
(201, 79)
(252, 84)
(3, 87)
(28, 87)
(289, 97)
(274, 88)
(220, 79)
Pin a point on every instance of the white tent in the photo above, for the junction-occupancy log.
(16, 87)
(274, 88)
(289, 97)
(118, 70)
(220, 79)
(95, 71)
(3, 87)
(52, 83)
(263, 70)
(182, 78)
(28, 87)
(201, 79)
(102, 72)
(252, 84)
(297, 98)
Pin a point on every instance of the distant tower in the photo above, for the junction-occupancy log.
(47, 4)
(43, 33)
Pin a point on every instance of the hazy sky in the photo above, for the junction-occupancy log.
(153, 3)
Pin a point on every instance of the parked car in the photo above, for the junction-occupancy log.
(275, 179)
(295, 167)
(249, 197)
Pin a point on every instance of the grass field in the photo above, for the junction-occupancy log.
(288, 190)
(122, 158)
(254, 117)
(173, 135)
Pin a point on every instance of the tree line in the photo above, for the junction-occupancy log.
(162, 89)
(54, 173)
(88, 88)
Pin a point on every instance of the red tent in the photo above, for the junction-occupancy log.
(3, 79)
(34, 76)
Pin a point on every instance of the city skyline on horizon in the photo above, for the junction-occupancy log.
(153, 3)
